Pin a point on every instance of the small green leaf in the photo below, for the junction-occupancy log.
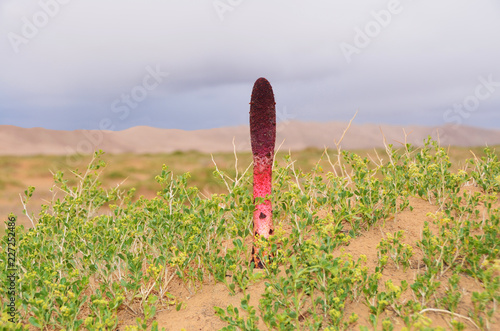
(33, 321)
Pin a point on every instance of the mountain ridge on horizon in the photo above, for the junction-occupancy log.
(278, 123)
(295, 134)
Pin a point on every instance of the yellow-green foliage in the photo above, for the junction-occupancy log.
(98, 250)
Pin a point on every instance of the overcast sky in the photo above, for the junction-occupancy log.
(90, 64)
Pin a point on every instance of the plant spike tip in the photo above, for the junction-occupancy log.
(263, 139)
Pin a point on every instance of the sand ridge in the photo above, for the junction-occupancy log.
(294, 135)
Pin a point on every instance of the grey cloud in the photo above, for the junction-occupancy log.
(89, 54)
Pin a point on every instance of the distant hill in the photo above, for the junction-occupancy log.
(296, 135)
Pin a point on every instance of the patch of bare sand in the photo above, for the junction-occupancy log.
(412, 223)
(197, 312)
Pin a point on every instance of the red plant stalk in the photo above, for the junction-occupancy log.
(263, 138)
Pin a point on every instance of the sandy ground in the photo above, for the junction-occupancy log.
(197, 312)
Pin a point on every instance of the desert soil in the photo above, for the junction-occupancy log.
(197, 310)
